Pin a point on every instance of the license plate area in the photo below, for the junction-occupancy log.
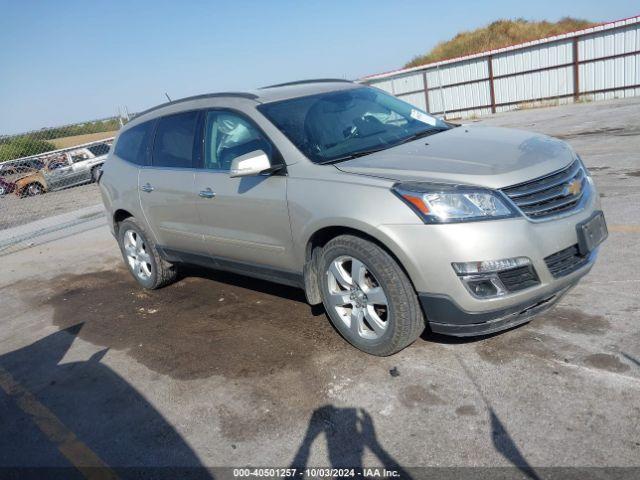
(591, 233)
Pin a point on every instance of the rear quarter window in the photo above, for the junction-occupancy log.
(174, 140)
(132, 144)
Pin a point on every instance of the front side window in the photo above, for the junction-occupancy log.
(339, 125)
(132, 143)
(174, 139)
(229, 135)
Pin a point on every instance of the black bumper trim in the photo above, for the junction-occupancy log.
(261, 272)
(446, 317)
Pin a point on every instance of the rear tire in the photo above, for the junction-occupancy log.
(33, 189)
(368, 297)
(142, 257)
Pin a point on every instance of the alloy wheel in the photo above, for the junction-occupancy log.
(357, 297)
(137, 254)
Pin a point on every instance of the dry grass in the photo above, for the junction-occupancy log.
(498, 34)
(64, 142)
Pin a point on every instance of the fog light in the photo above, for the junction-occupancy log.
(482, 287)
(482, 278)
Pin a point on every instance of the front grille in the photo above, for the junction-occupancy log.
(519, 278)
(565, 261)
(550, 195)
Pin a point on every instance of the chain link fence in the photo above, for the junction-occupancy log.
(48, 178)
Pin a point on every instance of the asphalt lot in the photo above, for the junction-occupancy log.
(220, 370)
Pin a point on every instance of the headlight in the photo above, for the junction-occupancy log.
(453, 203)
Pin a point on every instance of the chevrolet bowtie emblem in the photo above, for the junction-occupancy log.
(573, 188)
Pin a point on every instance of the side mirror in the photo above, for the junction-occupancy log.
(250, 164)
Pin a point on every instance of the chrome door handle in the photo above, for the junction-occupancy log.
(147, 187)
(207, 193)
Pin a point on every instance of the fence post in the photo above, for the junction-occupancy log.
(444, 108)
(492, 93)
(576, 71)
(426, 91)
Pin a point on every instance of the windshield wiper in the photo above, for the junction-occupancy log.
(351, 156)
(362, 153)
(424, 133)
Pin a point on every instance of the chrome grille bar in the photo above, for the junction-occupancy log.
(551, 194)
(544, 183)
(543, 195)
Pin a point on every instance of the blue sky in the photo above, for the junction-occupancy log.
(68, 61)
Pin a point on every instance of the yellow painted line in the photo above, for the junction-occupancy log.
(81, 456)
(624, 228)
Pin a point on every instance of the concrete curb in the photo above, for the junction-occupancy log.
(32, 230)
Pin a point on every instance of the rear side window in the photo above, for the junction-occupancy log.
(99, 149)
(173, 144)
(132, 144)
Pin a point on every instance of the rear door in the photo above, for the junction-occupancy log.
(243, 219)
(166, 186)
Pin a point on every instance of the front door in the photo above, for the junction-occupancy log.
(59, 173)
(80, 165)
(243, 219)
(166, 187)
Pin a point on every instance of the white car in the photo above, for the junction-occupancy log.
(84, 163)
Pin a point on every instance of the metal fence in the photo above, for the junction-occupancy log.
(47, 178)
(597, 63)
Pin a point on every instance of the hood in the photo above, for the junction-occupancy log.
(473, 155)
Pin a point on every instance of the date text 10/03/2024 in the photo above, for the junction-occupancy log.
(315, 472)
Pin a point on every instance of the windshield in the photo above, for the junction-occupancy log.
(339, 125)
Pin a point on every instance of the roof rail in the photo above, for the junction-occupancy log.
(250, 96)
(302, 82)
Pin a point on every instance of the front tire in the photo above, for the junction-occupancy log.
(368, 297)
(142, 257)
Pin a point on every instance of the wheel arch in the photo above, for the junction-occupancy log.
(320, 237)
(119, 216)
(20, 189)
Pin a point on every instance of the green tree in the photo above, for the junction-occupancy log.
(498, 34)
(23, 147)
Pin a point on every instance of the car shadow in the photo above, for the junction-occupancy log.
(297, 295)
(263, 286)
(429, 336)
(59, 415)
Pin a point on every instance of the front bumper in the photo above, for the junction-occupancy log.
(443, 309)
(427, 252)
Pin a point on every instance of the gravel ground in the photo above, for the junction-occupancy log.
(221, 370)
(16, 211)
